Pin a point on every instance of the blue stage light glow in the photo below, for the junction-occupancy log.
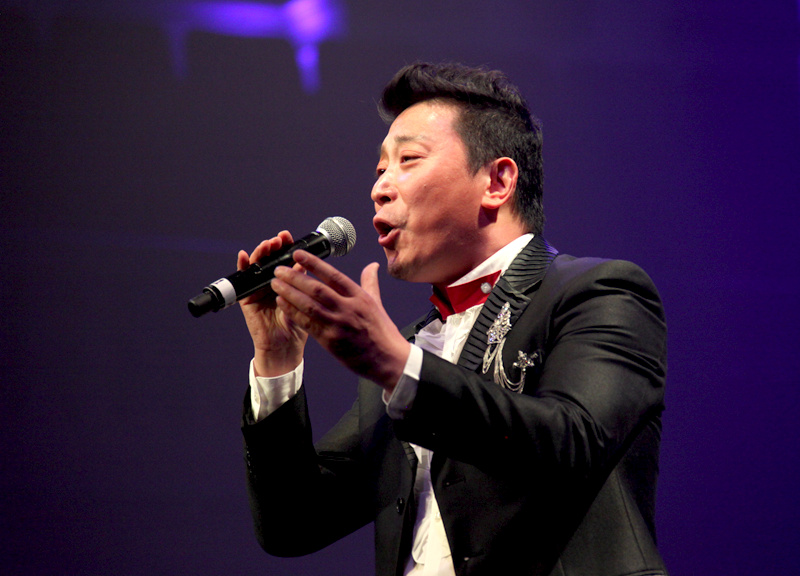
(305, 24)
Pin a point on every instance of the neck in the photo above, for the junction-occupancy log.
(486, 248)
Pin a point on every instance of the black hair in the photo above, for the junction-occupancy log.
(494, 122)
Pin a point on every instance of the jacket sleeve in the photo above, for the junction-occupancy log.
(601, 328)
(303, 499)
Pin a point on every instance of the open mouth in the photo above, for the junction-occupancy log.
(382, 227)
(386, 233)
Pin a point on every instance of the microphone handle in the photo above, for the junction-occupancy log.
(225, 291)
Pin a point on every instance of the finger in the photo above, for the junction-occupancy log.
(242, 260)
(369, 281)
(261, 251)
(292, 313)
(304, 290)
(327, 274)
(301, 309)
(284, 238)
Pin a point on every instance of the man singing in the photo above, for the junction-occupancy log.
(515, 428)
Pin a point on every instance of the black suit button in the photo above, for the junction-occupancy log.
(401, 505)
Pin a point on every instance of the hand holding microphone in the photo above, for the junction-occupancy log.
(335, 235)
(344, 317)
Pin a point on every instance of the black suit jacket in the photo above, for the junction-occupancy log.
(559, 479)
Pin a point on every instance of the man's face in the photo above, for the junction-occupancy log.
(427, 200)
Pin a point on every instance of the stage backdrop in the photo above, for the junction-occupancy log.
(143, 142)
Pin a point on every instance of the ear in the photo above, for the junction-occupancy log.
(503, 174)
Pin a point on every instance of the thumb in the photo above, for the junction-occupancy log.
(369, 281)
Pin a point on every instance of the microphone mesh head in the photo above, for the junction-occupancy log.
(340, 233)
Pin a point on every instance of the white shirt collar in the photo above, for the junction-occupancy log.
(500, 260)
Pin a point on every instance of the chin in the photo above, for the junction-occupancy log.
(396, 270)
(399, 269)
(408, 272)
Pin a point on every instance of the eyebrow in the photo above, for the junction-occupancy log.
(402, 139)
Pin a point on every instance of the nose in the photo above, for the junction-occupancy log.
(383, 192)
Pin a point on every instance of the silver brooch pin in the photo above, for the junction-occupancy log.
(501, 325)
(495, 341)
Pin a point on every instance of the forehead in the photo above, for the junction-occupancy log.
(430, 121)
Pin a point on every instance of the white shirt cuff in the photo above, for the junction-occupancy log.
(402, 397)
(268, 394)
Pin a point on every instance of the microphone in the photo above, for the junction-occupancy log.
(335, 235)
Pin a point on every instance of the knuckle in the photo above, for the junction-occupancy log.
(312, 310)
(317, 291)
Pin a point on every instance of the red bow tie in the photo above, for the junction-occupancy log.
(465, 296)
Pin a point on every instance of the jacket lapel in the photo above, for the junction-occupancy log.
(522, 276)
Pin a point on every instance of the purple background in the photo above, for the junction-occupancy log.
(672, 138)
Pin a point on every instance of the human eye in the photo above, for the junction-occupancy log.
(379, 171)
